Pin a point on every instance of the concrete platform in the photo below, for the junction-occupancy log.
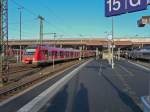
(98, 88)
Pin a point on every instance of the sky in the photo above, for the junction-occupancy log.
(72, 19)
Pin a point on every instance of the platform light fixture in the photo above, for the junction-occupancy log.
(144, 20)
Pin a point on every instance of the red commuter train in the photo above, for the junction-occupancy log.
(44, 54)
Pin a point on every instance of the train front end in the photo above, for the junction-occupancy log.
(145, 53)
(29, 56)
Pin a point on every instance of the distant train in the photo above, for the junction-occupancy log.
(139, 53)
(14, 52)
(44, 54)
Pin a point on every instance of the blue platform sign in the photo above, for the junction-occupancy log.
(136, 5)
(118, 7)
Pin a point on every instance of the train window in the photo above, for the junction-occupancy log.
(29, 51)
(76, 54)
(68, 54)
(54, 53)
(71, 53)
(61, 53)
(65, 53)
(49, 53)
(58, 53)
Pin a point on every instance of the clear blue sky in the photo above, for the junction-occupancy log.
(71, 17)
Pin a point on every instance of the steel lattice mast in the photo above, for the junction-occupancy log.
(3, 41)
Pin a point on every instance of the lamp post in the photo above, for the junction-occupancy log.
(61, 36)
(112, 45)
(81, 48)
(108, 46)
(112, 64)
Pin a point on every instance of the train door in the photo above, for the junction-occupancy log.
(66, 55)
(71, 55)
(39, 54)
(46, 55)
(58, 55)
(54, 55)
(49, 55)
(61, 55)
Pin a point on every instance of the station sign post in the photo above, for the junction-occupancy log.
(118, 7)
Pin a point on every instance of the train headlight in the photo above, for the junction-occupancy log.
(33, 59)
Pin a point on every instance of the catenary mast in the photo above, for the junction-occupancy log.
(4, 65)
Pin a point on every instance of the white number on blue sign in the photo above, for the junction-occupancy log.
(113, 5)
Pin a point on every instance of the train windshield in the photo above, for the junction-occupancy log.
(30, 51)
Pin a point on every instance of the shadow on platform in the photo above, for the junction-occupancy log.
(81, 103)
(59, 103)
(124, 97)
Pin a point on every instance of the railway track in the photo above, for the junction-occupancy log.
(16, 76)
(29, 81)
(20, 69)
(14, 68)
(17, 72)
